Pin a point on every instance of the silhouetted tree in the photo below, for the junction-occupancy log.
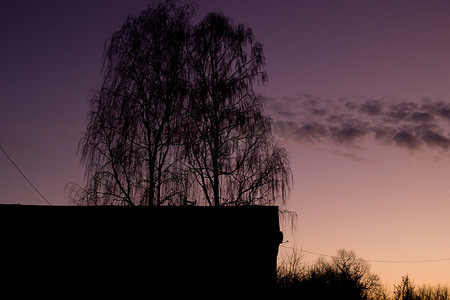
(131, 145)
(406, 290)
(229, 145)
(344, 277)
(176, 121)
(354, 273)
(291, 270)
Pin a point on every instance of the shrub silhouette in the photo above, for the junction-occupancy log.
(345, 276)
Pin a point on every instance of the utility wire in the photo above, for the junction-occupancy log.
(373, 260)
(26, 178)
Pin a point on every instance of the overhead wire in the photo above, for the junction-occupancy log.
(373, 260)
(24, 176)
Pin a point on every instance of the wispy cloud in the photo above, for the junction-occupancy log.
(353, 156)
(347, 121)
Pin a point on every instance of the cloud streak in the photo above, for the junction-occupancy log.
(345, 121)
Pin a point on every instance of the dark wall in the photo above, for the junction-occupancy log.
(108, 248)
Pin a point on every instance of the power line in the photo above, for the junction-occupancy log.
(26, 178)
(375, 260)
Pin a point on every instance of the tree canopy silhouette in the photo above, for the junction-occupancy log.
(344, 277)
(176, 120)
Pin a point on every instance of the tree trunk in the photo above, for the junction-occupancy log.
(215, 151)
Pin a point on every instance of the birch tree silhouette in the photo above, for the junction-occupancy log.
(176, 121)
(130, 149)
(230, 147)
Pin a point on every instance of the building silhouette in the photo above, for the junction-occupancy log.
(145, 249)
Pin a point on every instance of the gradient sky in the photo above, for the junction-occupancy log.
(358, 90)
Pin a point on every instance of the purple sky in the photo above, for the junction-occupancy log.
(340, 73)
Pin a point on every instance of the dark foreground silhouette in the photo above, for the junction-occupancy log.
(139, 249)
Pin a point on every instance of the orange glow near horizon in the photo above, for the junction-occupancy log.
(393, 207)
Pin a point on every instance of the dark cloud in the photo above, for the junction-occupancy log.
(435, 139)
(407, 124)
(371, 108)
(348, 134)
(337, 118)
(311, 132)
(407, 139)
(423, 117)
(350, 105)
(404, 106)
(400, 112)
(307, 132)
(316, 107)
(437, 108)
(319, 111)
(445, 112)
(301, 133)
(352, 156)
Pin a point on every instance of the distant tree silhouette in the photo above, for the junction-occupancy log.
(405, 290)
(354, 274)
(344, 277)
(437, 292)
(176, 121)
(291, 270)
